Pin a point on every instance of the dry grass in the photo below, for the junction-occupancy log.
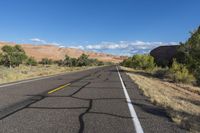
(26, 72)
(182, 102)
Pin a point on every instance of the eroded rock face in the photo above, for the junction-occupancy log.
(164, 55)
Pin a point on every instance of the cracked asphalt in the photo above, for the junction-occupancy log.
(94, 102)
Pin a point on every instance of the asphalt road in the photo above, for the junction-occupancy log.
(90, 101)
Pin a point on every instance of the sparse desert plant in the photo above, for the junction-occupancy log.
(46, 61)
(58, 62)
(31, 61)
(127, 62)
(179, 73)
(160, 72)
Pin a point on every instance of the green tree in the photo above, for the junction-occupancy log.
(13, 55)
(73, 62)
(83, 60)
(67, 61)
(189, 54)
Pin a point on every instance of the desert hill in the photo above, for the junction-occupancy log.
(56, 53)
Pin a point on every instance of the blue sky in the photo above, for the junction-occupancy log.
(123, 27)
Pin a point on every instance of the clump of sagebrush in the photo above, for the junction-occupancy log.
(46, 61)
(179, 73)
(31, 61)
(140, 61)
(160, 72)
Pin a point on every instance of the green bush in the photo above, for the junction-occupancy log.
(179, 73)
(83, 60)
(100, 63)
(58, 62)
(197, 75)
(46, 61)
(31, 61)
(127, 62)
(160, 72)
(12, 56)
(144, 62)
(95, 62)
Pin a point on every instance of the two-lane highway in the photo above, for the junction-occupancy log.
(100, 100)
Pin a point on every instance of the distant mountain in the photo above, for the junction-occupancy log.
(56, 53)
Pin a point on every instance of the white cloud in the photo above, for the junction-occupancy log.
(41, 41)
(61, 46)
(77, 47)
(37, 40)
(120, 48)
(54, 43)
(125, 47)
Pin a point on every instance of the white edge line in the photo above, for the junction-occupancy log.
(135, 119)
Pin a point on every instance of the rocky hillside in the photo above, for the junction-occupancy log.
(56, 53)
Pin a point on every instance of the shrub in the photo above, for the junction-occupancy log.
(46, 61)
(31, 61)
(73, 62)
(179, 73)
(197, 75)
(83, 60)
(100, 63)
(144, 62)
(161, 72)
(12, 55)
(95, 62)
(58, 62)
(127, 62)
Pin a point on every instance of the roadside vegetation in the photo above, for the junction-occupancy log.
(181, 101)
(25, 72)
(175, 86)
(16, 65)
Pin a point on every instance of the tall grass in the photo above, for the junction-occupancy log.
(26, 72)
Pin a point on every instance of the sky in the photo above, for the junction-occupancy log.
(121, 27)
